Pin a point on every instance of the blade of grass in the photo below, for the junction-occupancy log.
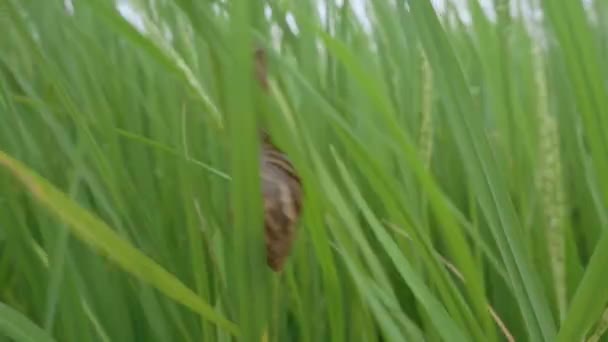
(489, 181)
(18, 327)
(95, 233)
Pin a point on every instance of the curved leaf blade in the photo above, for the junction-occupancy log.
(91, 230)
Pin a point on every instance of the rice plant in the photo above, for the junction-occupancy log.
(452, 156)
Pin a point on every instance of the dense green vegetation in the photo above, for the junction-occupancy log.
(455, 171)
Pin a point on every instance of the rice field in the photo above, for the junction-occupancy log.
(453, 156)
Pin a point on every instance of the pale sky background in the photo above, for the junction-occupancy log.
(359, 8)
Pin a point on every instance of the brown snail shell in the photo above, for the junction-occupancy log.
(282, 202)
(281, 189)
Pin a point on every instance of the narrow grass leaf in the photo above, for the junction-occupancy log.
(94, 232)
